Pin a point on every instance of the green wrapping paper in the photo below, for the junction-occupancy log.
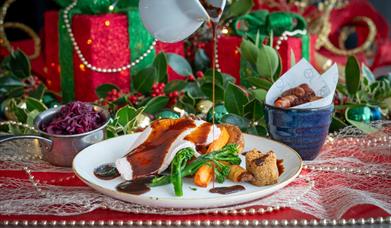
(139, 41)
(66, 58)
(263, 23)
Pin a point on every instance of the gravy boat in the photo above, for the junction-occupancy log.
(174, 20)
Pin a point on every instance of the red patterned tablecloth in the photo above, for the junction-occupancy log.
(357, 215)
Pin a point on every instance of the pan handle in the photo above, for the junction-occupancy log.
(46, 142)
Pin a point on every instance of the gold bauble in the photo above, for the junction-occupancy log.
(204, 106)
(143, 121)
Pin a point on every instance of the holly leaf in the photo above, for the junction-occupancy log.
(292, 57)
(20, 113)
(174, 85)
(8, 81)
(208, 76)
(267, 61)
(254, 110)
(278, 70)
(188, 99)
(259, 94)
(38, 92)
(342, 89)
(187, 107)
(160, 64)
(201, 60)
(194, 90)
(227, 79)
(368, 74)
(259, 82)
(156, 104)
(207, 88)
(34, 104)
(337, 124)
(179, 64)
(237, 120)
(366, 128)
(20, 64)
(125, 114)
(239, 8)
(235, 98)
(257, 130)
(31, 117)
(352, 75)
(102, 90)
(144, 79)
(249, 51)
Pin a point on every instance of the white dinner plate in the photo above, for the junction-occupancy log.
(193, 196)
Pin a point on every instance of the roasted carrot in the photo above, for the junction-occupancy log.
(239, 174)
(204, 175)
(220, 142)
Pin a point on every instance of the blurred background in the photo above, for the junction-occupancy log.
(31, 13)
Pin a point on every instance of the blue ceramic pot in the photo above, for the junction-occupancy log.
(305, 130)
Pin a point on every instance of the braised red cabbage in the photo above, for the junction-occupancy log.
(75, 118)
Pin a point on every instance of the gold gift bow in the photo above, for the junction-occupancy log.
(323, 38)
(3, 37)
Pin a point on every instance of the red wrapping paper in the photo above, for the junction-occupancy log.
(104, 42)
(229, 55)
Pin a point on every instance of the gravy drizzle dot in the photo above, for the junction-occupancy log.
(227, 190)
(106, 172)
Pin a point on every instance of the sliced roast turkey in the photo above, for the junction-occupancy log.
(158, 144)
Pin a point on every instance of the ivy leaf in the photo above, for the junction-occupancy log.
(207, 88)
(352, 75)
(174, 85)
(160, 64)
(249, 51)
(20, 64)
(125, 114)
(103, 89)
(179, 64)
(239, 8)
(144, 79)
(34, 104)
(259, 82)
(235, 98)
(237, 120)
(254, 110)
(156, 104)
(267, 61)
